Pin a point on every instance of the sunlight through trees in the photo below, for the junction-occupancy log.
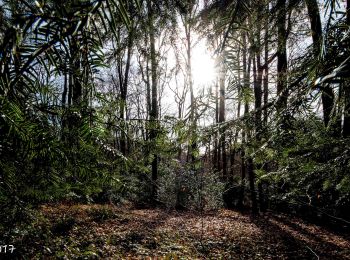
(182, 104)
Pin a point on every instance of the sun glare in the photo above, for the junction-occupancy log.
(203, 66)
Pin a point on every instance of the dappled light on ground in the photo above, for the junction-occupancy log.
(111, 232)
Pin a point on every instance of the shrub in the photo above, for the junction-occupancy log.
(182, 188)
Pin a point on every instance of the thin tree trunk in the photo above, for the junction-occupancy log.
(233, 146)
(223, 161)
(65, 88)
(70, 81)
(250, 167)
(246, 86)
(249, 160)
(154, 102)
(266, 69)
(346, 86)
(216, 149)
(192, 149)
(262, 187)
(123, 94)
(64, 100)
(258, 98)
(258, 72)
(281, 55)
(77, 86)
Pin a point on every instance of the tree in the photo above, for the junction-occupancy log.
(281, 54)
(327, 95)
(187, 13)
(154, 100)
(346, 123)
(48, 61)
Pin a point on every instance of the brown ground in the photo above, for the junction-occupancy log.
(109, 232)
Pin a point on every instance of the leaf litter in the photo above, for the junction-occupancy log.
(78, 231)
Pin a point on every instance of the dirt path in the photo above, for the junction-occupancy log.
(108, 232)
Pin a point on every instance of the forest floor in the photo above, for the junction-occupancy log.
(110, 232)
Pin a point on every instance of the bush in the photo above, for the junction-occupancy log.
(182, 188)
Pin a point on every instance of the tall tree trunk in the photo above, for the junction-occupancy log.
(192, 149)
(154, 101)
(258, 71)
(266, 60)
(250, 164)
(315, 23)
(245, 132)
(250, 169)
(258, 80)
(74, 93)
(249, 160)
(243, 162)
(77, 84)
(346, 124)
(223, 161)
(281, 55)
(70, 82)
(124, 93)
(64, 99)
(216, 149)
(65, 87)
(263, 185)
(327, 95)
(233, 145)
(258, 95)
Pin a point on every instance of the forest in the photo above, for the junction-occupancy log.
(175, 129)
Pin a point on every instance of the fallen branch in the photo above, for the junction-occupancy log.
(313, 252)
